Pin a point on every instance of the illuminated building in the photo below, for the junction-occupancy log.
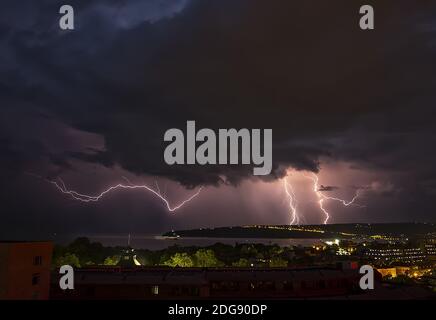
(128, 259)
(394, 271)
(429, 249)
(396, 254)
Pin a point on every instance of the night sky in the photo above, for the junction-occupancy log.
(90, 106)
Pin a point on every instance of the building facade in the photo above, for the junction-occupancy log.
(210, 283)
(25, 270)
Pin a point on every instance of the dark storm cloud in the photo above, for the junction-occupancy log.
(327, 188)
(134, 69)
(92, 156)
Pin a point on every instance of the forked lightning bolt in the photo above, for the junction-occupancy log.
(60, 185)
(295, 217)
(322, 197)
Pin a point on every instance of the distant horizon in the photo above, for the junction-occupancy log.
(123, 234)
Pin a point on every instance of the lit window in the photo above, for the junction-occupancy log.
(155, 290)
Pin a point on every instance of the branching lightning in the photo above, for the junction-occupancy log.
(60, 185)
(295, 218)
(322, 197)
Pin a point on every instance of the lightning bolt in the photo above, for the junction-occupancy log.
(295, 219)
(322, 197)
(60, 185)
